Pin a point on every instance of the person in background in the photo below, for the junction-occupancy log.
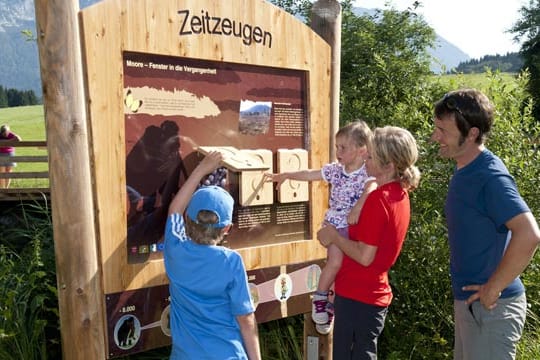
(7, 150)
(363, 292)
(491, 231)
(350, 185)
(212, 313)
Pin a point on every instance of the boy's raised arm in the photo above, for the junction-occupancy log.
(206, 166)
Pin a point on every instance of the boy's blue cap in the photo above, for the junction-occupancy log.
(215, 199)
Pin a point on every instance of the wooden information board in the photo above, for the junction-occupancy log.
(167, 80)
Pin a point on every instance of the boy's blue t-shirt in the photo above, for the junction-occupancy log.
(208, 288)
(482, 197)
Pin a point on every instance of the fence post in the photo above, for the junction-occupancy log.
(78, 274)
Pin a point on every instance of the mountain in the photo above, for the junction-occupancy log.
(446, 56)
(19, 64)
(19, 60)
(263, 109)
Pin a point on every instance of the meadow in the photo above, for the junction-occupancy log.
(29, 123)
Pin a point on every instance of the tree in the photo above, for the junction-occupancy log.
(511, 62)
(3, 97)
(29, 97)
(14, 97)
(384, 61)
(528, 28)
(300, 8)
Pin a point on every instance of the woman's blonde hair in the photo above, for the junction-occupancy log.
(396, 145)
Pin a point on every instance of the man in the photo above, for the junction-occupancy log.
(492, 233)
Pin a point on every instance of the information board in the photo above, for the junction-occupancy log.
(166, 82)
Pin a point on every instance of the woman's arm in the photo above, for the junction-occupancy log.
(359, 251)
(15, 138)
(354, 214)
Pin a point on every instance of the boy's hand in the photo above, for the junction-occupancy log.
(210, 162)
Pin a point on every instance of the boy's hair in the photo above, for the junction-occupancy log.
(358, 131)
(208, 212)
(200, 231)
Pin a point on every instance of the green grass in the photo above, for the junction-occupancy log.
(478, 81)
(29, 123)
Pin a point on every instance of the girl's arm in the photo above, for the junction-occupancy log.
(302, 175)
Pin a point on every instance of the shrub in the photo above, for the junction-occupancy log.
(28, 298)
(420, 323)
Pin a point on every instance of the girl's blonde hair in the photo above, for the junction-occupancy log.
(396, 145)
(358, 131)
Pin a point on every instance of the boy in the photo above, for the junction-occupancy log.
(212, 315)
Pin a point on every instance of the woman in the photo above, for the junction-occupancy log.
(362, 290)
(6, 152)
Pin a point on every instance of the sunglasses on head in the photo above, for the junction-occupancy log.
(451, 104)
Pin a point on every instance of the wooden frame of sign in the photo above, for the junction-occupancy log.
(207, 30)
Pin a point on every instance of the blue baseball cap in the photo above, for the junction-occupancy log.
(214, 199)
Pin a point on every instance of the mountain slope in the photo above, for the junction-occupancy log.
(19, 58)
(446, 56)
(19, 64)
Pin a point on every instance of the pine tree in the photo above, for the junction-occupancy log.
(528, 28)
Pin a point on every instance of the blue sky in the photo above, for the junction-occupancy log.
(475, 26)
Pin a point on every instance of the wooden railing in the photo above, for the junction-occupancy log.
(24, 193)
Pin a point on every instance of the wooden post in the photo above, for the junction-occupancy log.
(78, 273)
(326, 21)
(324, 348)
